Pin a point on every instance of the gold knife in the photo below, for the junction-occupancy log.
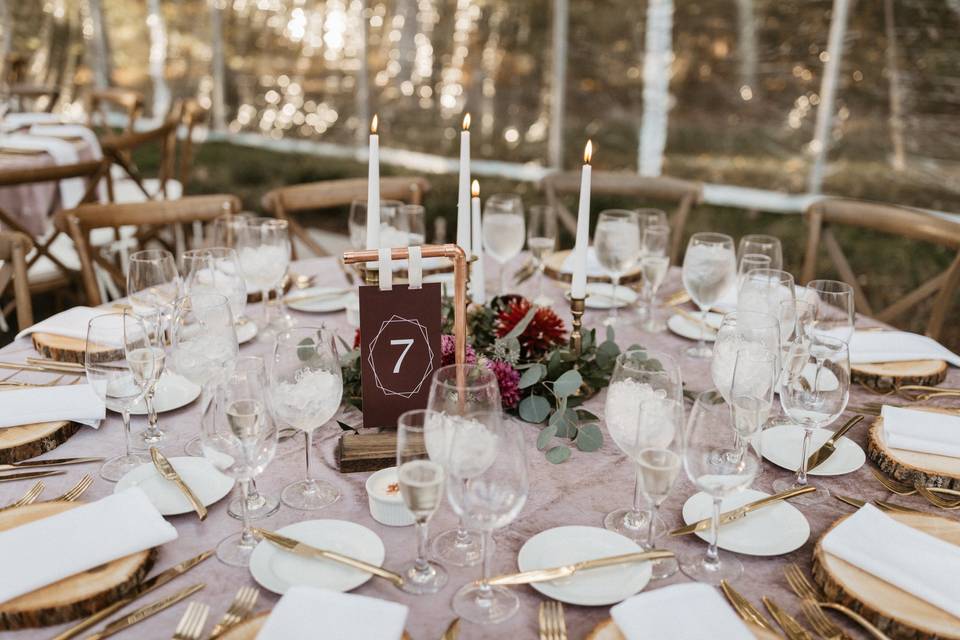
(143, 589)
(545, 575)
(453, 631)
(735, 514)
(307, 551)
(169, 473)
(145, 612)
(787, 622)
(30, 475)
(826, 450)
(53, 462)
(746, 610)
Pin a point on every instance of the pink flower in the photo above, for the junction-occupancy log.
(509, 380)
(448, 351)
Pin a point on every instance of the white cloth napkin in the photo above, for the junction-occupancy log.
(688, 611)
(76, 402)
(922, 431)
(44, 551)
(70, 131)
(71, 323)
(303, 611)
(62, 151)
(897, 346)
(14, 121)
(594, 268)
(907, 558)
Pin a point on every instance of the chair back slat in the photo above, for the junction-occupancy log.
(14, 248)
(129, 102)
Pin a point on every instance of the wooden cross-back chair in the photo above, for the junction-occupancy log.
(119, 149)
(192, 114)
(14, 248)
(80, 222)
(91, 172)
(907, 223)
(127, 101)
(29, 95)
(285, 202)
(683, 193)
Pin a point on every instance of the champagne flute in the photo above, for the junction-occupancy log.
(306, 386)
(153, 285)
(709, 269)
(655, 263)
(755, 376)
(263, 246)
(616, 240)
(503, 231)
(421, 486)
(541, 242)
(488, 487)
(814, 394)
(116, 344)
(458, 391)
(834, 301)
(769, 246)
(717, 464)
(242, 444)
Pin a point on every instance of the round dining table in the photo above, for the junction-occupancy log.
(580, 491)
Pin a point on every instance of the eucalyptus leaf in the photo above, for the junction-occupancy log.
(534, 409)
(306, 349)
(554, 364)
(583, 414)
(546, 434)
(532, 376)
(590, 438)
(565, 420)
(567, 384)
(588, 339)
(558, 454)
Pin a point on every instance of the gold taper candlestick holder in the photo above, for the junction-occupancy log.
(577, 307)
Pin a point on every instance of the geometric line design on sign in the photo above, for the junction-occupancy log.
(426, 374)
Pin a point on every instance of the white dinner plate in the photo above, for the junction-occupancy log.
(278, 570)
(769, 531)
(320, 299)
(597, 587)
(246, 331)
(782, 446)
(201, 476)
(686, 328)
(602, 296)
(173, 391)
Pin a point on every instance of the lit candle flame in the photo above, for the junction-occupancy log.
(466, 122)
(475, 189)
(588, 152)
(373, 126)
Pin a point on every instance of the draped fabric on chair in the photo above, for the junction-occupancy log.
(907, 223)
(287, 201)
(14, 248)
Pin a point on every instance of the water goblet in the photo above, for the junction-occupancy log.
(709, 270)
(769, 246)
(263, 246)
(834, 302)
(616, 240)
(503, 230)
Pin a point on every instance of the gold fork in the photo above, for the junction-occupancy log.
(787, 622)
(817, 619)
(191, 624)
(28, 498)
(77, 490)
(553, 626)
(240, 608)
(904, 489)
(936, 500)
(811, 597)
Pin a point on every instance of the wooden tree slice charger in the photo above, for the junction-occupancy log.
(60, 348)
(607, 630)
(30, 440)
(553, 269)
(885, 376)
(74, 597)
(912, 466)
(897, 613)
(249, 628)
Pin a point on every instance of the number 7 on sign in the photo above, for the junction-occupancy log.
(408, 342)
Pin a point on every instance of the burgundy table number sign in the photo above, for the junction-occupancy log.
(399, 342)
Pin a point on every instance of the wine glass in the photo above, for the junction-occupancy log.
(616, 240)
(747, 263)
(421, 486)
(488, 487)
(306, 385)
(216, 270)
(762, 290)
(458, 391)
(242, 444)
(755, 375)
(709, 269)
(541, 242)
(834, 302)
(225, 230)
(655, 263)
(719, 466)
(116, 345)
(639, 410)
(651, 218)
(357, 223)
(503, 230)
(203, 346)
(411, 221)
(769, 246)
(741, 330)
(814, 393)
(263, 246)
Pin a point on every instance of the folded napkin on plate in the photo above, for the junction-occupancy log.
(688, 611)
(70, 131)
(594, 268)
(62, 151)
(71, 323)
(907, 558)
(303, 611)
(14, 121)
(76, 402)
(897, 346)
(44, 551)
(922, 431)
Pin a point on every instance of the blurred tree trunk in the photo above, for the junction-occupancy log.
(896, 91)
(747, 41)
(658, 56)
(98, 45)
(157, 28)
(218, 72)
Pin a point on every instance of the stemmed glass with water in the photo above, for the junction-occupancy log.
(834, 308)
(655, 263)
(541, 242)
(709, 270)
(503, 231)
(306, 385)
(216, 270)
(616, 240)
(758, 244)
(263, 246)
